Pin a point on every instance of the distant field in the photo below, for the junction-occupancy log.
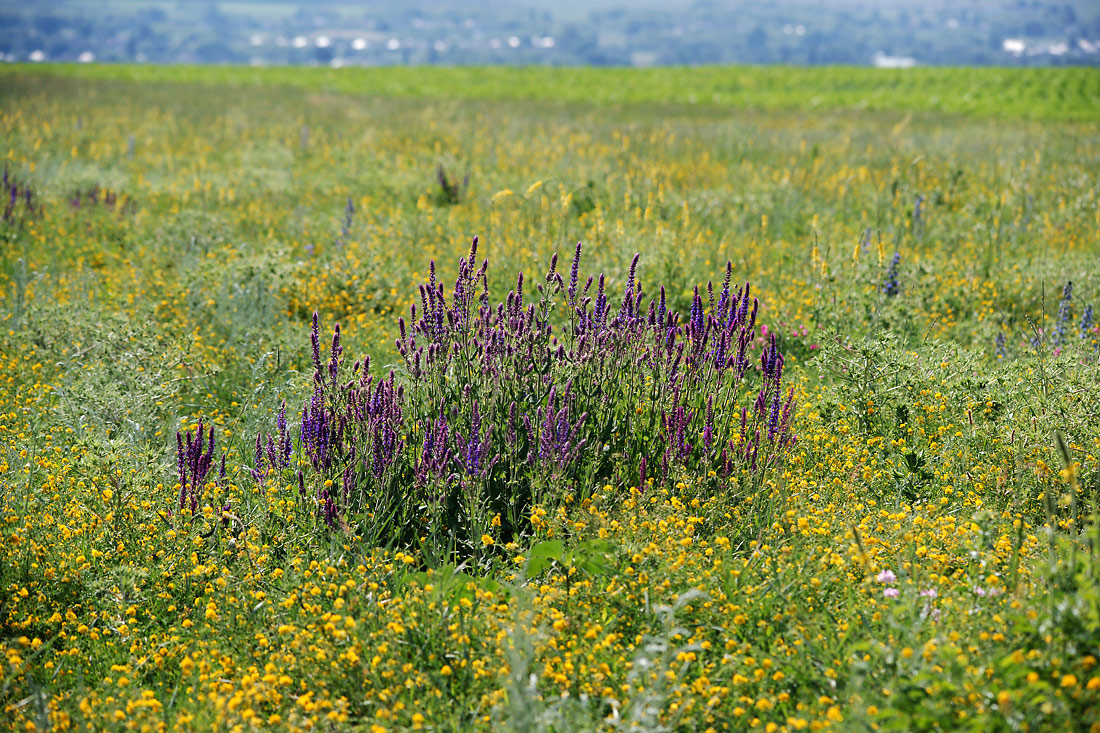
(1069, 94)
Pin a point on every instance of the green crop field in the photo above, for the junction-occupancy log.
(315, 414)
(1071, 94)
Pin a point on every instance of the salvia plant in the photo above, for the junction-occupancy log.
(450, 190)
(95, 196)
(193, 465)
(19, 202)
(529, 402)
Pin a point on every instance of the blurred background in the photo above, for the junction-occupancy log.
(894, 33)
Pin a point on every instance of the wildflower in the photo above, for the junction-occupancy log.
(890, 286)
(886, 576)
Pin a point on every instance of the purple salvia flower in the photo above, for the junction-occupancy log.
(773, 418)
(627, 308)
(334, 355)
(270, 452)
(284, 438)
(315, 342)
(574, 271)
(258, 471)
(695, 328)
(599, 310)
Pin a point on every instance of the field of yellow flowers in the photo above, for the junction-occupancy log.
(314, 414)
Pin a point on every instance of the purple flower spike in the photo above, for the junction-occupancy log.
(315, 342)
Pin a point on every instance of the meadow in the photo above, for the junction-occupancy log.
(315, 414)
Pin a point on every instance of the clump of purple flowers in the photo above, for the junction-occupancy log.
(18, 200)
(94, 196)
(193, 465)
(1059, 338)
(552, 390)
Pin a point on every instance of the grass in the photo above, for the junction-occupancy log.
(921, 554)
(1069, 94)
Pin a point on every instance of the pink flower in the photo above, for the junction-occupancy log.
(886, 576)
(891, 592)
(930, 593)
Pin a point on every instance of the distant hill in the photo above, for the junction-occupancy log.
(566, 33)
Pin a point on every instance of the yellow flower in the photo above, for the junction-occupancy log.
(486, 540)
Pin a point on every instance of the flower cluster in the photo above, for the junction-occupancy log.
(18, 200)
(506, 401)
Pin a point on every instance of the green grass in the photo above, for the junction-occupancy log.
(1071, 94)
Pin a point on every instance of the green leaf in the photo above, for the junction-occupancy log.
(543, 555)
